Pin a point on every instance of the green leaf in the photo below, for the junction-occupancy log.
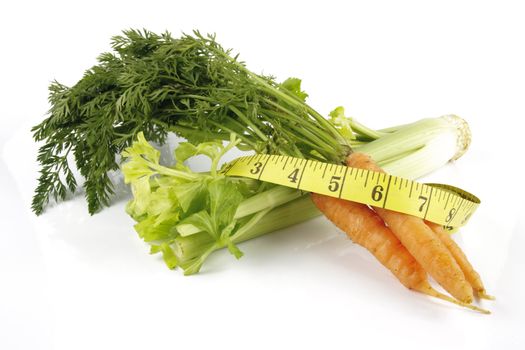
(186, 150)
(293, 85)
(156, 233)
(140, 188)
(203, 221)
(163, 204)
(141, 156)
(192, 196)
(142, 160)
(224, 200)
(342, 123)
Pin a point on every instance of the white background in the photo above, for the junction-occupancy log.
(71, 281)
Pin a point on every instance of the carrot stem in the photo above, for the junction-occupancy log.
(444, 297)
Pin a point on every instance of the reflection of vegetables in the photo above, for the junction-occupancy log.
(429, 250)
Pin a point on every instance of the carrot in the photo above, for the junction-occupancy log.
(366, 228)
(421, 242)
(470, 274)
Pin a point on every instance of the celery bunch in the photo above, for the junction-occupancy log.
(174, 205)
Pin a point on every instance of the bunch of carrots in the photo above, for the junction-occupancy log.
(408, 246)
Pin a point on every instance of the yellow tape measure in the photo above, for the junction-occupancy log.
(443, 204)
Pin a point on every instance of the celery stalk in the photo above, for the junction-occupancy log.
(450, 129)
(291, 213)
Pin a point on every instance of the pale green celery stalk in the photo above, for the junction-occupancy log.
(412, 137)
(394, 128)
(365, 131)
(423, 161)
(268, 199)
(296, 211)
(411, 152)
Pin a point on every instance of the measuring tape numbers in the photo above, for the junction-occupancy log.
(442, 204)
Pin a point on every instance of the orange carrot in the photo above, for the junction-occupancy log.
(364, 227)
(470, 274)
(367, 229)
(421, 242)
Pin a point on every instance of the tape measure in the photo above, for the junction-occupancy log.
(442, 204)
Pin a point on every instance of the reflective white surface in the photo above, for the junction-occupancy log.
(74, 281)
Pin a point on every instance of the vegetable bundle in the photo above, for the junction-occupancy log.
(156, 84)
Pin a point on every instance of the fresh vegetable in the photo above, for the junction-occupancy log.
(171, 203)
(416, 149)
(422, 242)
(158, 84)
(364, 227)
(470, 274)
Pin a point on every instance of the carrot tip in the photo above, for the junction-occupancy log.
(460, 303)
(434, 293)
(482, 295)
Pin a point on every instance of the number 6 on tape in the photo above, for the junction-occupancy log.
(443, 204)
